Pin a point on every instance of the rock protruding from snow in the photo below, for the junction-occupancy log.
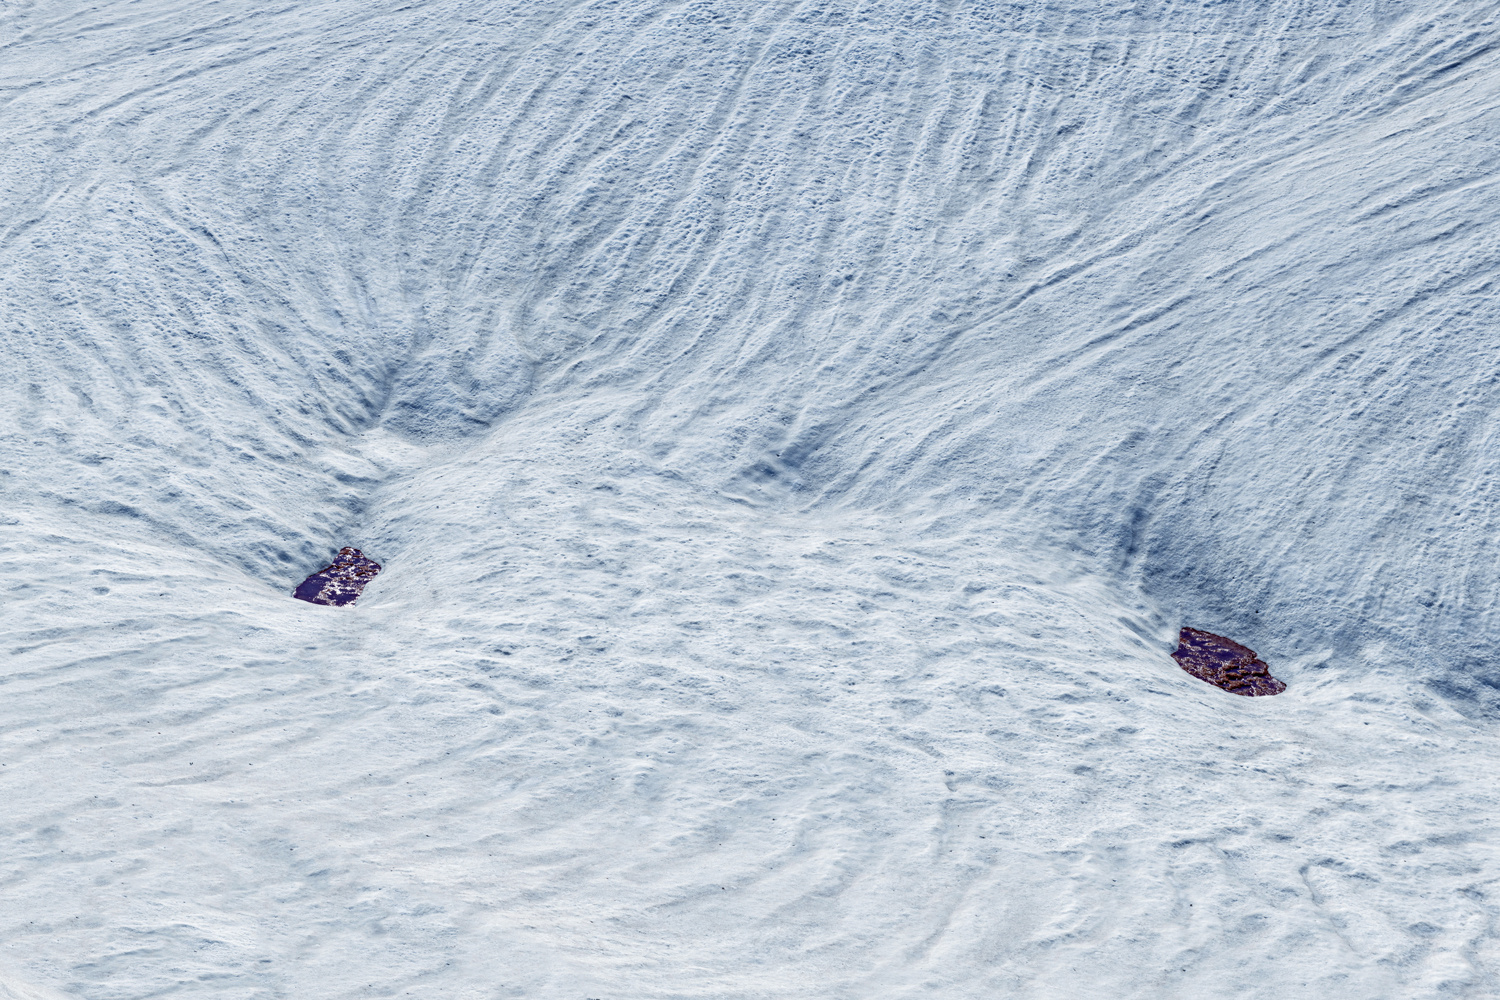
(1224, 663)
(341, 582)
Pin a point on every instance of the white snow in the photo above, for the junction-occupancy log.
(793, 434)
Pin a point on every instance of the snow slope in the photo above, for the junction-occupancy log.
(793, 434)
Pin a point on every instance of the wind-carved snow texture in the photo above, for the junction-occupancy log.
(793, 434)
(12, 987)
(340, 582)
(1224, 663)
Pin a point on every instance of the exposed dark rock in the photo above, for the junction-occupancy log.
(1224, 663)
(341, 582)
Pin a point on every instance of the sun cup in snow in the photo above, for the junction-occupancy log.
(340, 582)
(1224, 663)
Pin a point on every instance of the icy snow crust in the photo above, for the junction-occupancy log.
(793, 434)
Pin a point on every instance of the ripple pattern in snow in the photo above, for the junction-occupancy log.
(793, 434)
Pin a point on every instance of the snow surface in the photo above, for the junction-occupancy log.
(793, 433)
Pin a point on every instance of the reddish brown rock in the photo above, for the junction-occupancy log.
(1224, 663)
(341, 582)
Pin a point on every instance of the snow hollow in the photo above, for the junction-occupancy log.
(793, 434)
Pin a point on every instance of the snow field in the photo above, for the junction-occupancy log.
(793, 434)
